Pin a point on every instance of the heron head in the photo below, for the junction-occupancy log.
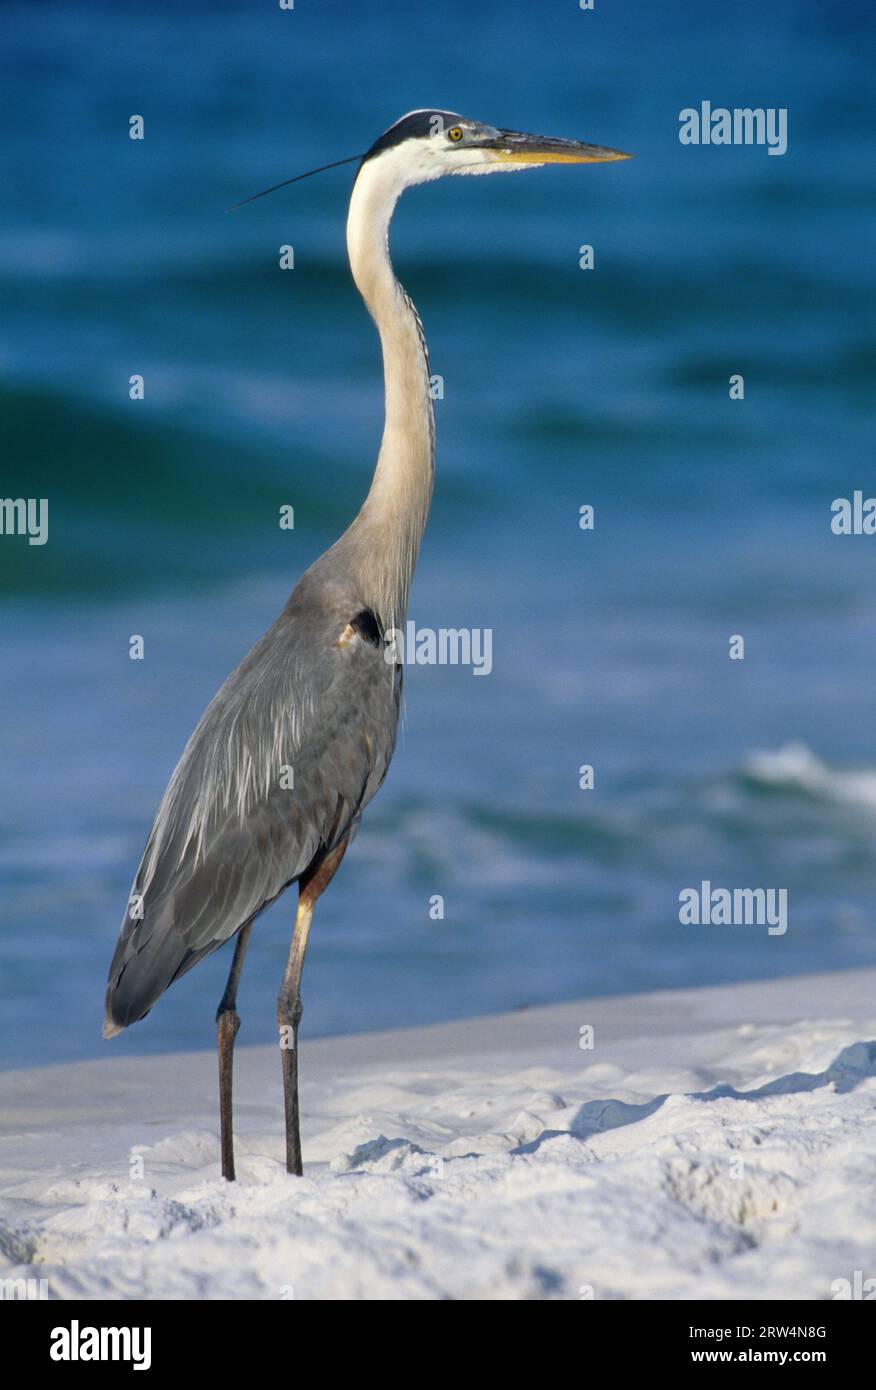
(428, 144)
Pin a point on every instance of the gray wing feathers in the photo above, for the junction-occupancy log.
(228, 836)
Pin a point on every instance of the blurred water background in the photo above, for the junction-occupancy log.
(562, 387)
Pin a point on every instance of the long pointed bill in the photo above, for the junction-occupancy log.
(511, 147)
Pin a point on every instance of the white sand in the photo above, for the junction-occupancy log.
(715, 1144)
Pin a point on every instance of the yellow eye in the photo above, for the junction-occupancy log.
(454, 134)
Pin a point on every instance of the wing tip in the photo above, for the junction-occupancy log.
(111, 1028)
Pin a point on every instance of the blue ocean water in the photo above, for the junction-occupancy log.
(562, 387)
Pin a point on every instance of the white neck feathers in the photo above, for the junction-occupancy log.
(384, 540)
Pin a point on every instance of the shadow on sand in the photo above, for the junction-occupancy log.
(853, 1065)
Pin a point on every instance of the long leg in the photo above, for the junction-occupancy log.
(227, 1025)
(289, 999)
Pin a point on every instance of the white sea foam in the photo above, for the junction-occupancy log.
(795, 767)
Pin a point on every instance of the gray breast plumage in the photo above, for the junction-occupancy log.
(285, 757)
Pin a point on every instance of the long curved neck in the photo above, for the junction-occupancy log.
(384, 540)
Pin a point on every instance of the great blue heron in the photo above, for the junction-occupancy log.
(299, 738)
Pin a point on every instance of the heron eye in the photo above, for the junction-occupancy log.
(455, 134)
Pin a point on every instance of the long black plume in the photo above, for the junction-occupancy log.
(321, 170)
